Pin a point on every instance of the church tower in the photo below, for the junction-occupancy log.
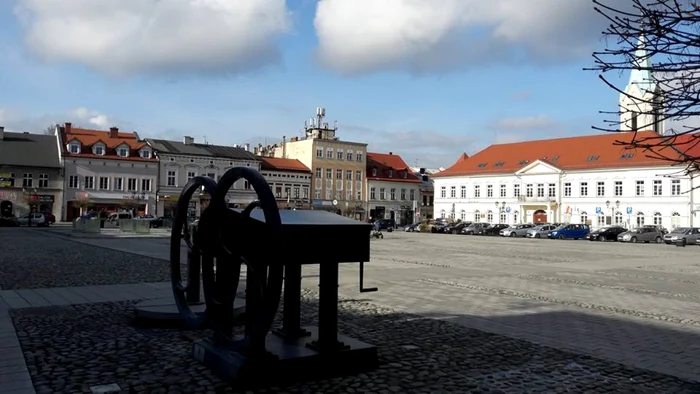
(642, 104)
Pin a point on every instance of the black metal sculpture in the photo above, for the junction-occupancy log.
(225, 240)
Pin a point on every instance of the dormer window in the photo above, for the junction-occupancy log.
(391, 173)
(74, 147)
(146, 153)
(123, 152)
(374, 171)
(98, 149)
(405, 174)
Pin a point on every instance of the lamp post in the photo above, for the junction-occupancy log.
(32, 198)
(607, 209)
(617, 207)
(500, 206)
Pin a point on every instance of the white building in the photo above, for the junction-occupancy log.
(105, 170)
(290, 181)
(181, 161)
(590, 179)
(393, 188)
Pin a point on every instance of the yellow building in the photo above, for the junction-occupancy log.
(337, 166)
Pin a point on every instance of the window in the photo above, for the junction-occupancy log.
(382, 193)
(477, 191)
(89, 182)
(348, 156)
(618, 188)
(516, 217)
(145, 185)
(403, 194)
(552, 190)
(131, 184)
(104, 183)
(676, 187)
(529, 190)
(146, 154)
(640, 219)
(123, 152)
(329, 173)
(453, 191)
(675, 219)
(27, 180)
(278, 191)
(305, 193)
(339, 155)
(329, 194)
(489, 216)
(348, 176)
(584, 217)
(567, 189)
(358, 175)
(43, 180)
(74, 148)
(489, 190)
(287, 192)
(73, 182)
(412, 194)
(392, 193)
(584, 189)
(618, 218)
(171, 178)
(190, 175)
(656, 188)
(502, 217)
(119, 183)
(477, 216)
(443, 192)
(405, 174)
(503, 190)
(99, 150)
(600, 189)
(601, 220)
(359, 157)
(319, 153)
(391, 173)
(359, 195)
(372, 193)
(516, 190)
(339, 175)
(319, 172)
(463, 215)
(640, 188)
(442, 214)
(329, 153)
(657, 219)
(540, 190)
(348, 195)
(317, 194)
(463, 191)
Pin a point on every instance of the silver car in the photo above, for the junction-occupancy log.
(642, 234)
(684, 235)
(540, 231)
(516, 230)
(33, 219)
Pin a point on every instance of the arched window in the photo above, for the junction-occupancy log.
(489, 216)
(442, 214)
(601, 220)
(584, 217)
(658, 219)
(618, 218)
(675, 220)
(463, 215)
(503, 217)
(640, 219)
(477, 216)
(516, 217)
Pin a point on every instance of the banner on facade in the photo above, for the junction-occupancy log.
(6, 179)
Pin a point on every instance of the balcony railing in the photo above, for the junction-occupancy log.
(536, 199)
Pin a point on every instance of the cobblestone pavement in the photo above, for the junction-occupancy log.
(32, 258)
(70, 349)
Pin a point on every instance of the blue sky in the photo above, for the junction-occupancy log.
(428, 93)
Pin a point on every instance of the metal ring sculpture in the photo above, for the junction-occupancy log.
(264, 270)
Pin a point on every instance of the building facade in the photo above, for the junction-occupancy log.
(393, 189)
(290, 181)
(181, 161)
(427, 191)
(337, 166)
(31, 177)
(105, 171)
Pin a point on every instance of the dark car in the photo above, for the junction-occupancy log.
(412, 228)
(470, 229)
(456, 228)
(385, 224)
(605, 234)
(50, 217)
(492, 229)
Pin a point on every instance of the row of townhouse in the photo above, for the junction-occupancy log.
(79, 169)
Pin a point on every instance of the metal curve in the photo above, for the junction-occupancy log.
(180, 224)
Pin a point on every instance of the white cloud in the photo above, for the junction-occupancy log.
(18, 121)
(361, 36)
(528, 123)
(132, 36)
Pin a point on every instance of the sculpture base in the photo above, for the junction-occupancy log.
(164, 311)
(295, 360)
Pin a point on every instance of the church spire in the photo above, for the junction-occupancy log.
(641, 75)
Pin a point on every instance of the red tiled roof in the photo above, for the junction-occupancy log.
(281, 164)
(609, 150)
(111, 140)
(383, 163)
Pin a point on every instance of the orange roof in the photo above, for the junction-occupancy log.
(383, 163)
(281, 164)
(111, 139)
(609, 150)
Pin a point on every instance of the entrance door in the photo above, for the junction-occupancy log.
(540, 216)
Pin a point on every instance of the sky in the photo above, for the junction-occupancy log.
(427, 80)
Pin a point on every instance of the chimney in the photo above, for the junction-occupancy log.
(284, 146)
(255, 150)
(2, 133)
(246, 147)
(69, 127)
(391, 153)
(187, 140)
(113, 132)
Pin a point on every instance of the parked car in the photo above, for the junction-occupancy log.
(642, 234)
(412, 228)
(684, 235)
(516, 230)
(456, 228)
(386, 224)
(50, 217)
(540, 231)
(470, 229)
(33, 219)
(605, 233)
(492, 229)
(661, 228)
(569, 231)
